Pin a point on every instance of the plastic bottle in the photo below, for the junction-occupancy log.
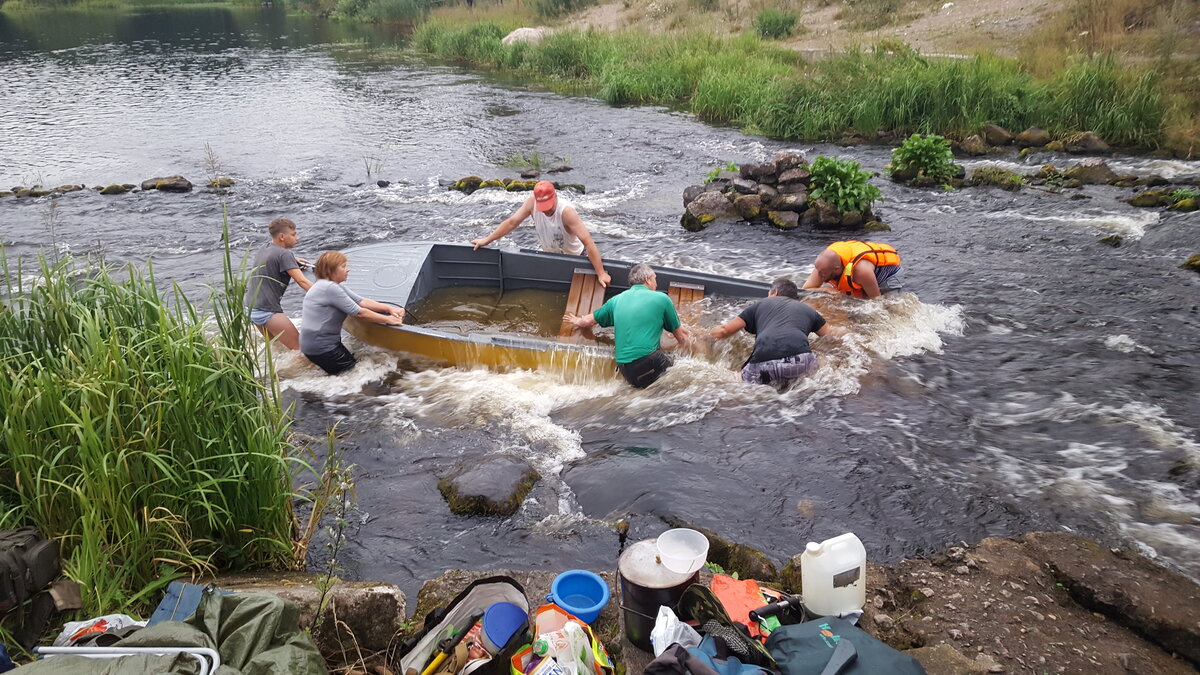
(834, 575)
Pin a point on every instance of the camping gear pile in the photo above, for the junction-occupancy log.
(489, 629)
(738, 627)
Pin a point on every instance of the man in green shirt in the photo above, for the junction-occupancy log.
(639, 315)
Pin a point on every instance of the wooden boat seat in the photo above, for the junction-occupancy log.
(586, 296)
(686, 297)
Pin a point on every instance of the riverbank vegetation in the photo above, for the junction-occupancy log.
(139, 431)
(765, 89)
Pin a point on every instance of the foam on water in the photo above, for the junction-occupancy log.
(1132, 225)
(1126, 344)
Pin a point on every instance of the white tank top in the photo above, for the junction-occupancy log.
(551, 234)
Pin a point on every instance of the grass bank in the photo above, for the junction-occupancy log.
(138, 430)
(766, 89)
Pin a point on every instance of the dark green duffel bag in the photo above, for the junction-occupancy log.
(832, 646)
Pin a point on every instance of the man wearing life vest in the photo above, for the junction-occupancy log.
(559, 228)
(863, 269)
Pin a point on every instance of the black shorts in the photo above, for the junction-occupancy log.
(644, 371)
(336, 360)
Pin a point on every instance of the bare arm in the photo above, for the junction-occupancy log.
(574, 225)
(507, 225)
(581, 321)
(864, 275)
(388, 319)
(301, 280)
(728, 328)
(816, 283)
(382, 308)
(682, 336)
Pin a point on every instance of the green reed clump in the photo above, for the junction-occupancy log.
(1099, 94)
(554, 8)
(772, 91)
(137, 431)
(775, 24)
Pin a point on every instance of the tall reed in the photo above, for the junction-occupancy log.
(137, 430)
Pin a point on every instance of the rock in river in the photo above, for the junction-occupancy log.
(491, 486)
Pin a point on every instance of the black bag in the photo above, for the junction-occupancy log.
(458, 616)
(833, 646)
(28, 563)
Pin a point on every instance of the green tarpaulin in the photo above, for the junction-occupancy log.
(255, 634)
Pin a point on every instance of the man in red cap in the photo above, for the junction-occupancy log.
(559, 228)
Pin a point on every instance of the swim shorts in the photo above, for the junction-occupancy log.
(336, 360)
(780, 371)
(260, 317)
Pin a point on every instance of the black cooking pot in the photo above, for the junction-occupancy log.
(646, 584)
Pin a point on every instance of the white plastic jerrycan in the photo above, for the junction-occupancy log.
(834, 575)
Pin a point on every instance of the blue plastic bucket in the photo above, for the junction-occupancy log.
(579, 592)
(500, 621)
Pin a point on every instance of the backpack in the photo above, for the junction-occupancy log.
(833, 646)
(28, 563)
(458, 616)
(712, 657)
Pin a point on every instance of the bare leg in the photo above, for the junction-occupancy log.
(279, 326)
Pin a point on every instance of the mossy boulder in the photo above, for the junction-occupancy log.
(784, 220)
(168, 184)
(876, 226)
(996, 135)
(1113, 240)
(1055, 146)
(974, 145)
(1033, 137)
(5, 193)
(748, 207)
(1150, 198)
(1087, 142)
(1092, 171)
(1192, 263)
(114, 189)
(789, 576)
(575, 187)
(746, 561)
(1047, 172)
(694, 223)
(520, 185)
(994, 175)
(467, 184)
(1188, 204)
(706, 208)
(221, 182)
(63, 189)
(494, 486)
(493, 183)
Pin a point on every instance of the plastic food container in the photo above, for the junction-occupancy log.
(682, 550)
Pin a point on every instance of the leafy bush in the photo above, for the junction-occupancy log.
(775, 24)
(842, 183)
(927, 156)
(712, 175)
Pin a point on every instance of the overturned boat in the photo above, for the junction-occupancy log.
(410, 274)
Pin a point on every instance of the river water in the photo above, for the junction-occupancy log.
(1029, 377)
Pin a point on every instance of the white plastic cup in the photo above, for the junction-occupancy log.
(682, 550)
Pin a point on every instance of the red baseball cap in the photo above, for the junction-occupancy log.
(544, 196)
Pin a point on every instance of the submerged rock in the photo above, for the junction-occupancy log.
(876, 226)
(114, 190)
(1192, 263)
(221, 182)
(1113, 240)
(494, 486)
(1188, 204)
(1150, 198)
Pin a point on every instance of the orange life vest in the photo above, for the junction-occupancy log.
(851, 252)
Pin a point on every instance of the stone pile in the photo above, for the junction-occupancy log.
(996, 138)
(776, 192)
(162, 184)
(470, 184)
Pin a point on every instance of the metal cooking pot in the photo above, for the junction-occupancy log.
(646, 584)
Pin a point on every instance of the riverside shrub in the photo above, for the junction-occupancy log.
(775, 24)
(842, 183)
(929, 156)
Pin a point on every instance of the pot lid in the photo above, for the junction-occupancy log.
(639, 565)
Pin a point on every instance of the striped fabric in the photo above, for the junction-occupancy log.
(780, 371)
(888, 277)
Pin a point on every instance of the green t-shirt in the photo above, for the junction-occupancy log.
(640, 316)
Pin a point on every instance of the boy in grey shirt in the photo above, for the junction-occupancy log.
(274, 267)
